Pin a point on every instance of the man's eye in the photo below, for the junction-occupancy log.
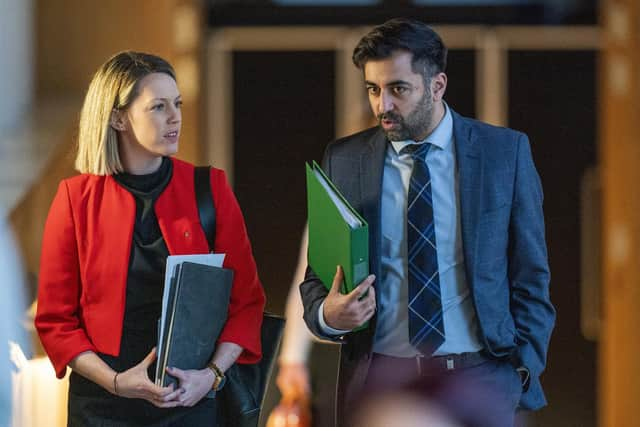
(399, 90)
(373, 90)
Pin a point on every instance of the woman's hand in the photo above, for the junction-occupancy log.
(194, 384)
(135, 383)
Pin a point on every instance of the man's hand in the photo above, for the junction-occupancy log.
(347, 312)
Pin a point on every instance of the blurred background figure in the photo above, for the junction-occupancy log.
(12, 308)
(437, 401)
(293, 374)
(406, 410)
(460, 399)
(305, 393)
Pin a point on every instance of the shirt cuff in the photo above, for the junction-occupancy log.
(326, 329)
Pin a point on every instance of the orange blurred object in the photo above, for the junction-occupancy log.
(291, 413)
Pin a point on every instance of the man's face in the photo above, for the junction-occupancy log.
(399, 98)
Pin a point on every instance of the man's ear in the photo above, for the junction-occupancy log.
(118, 120)
(438, 86)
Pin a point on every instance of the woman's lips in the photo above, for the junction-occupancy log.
(172, 136)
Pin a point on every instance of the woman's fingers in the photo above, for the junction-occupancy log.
(163, 404)
(178, 373)
(148, 360)
(174, 395)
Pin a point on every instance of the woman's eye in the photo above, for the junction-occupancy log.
(157, 107)
(178, 104)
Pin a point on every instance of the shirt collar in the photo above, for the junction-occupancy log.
(441, 136)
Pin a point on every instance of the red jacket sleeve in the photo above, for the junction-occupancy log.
(58, 318)
(247, 296)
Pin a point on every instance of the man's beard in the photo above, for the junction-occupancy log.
(415, 126)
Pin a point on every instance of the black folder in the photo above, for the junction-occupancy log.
(195, 315)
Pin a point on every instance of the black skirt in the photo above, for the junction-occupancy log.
(91, 405)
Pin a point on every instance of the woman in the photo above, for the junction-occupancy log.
(105, 244)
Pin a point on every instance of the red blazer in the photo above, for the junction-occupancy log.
(85, 259)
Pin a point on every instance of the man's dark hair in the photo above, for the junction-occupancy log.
(429, 52)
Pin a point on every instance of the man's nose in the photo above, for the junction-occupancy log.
(385, 103)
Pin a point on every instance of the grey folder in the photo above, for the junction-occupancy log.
(196, 313)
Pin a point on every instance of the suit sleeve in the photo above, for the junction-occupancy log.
(312, 290)
(58, 318)
(529, 274)
(247, 296)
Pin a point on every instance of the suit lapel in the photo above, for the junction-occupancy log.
(371, 171)
(469, 159)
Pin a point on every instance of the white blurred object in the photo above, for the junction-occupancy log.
(39, 398)
(30, 393)
(12, 306)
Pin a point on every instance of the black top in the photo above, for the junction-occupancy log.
(90, 403)
(145, 280)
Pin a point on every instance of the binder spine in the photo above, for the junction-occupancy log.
(359, 256)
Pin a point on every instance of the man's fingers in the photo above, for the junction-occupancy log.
(371, 294)
(369, 314)
(363, 287)
(337, 281)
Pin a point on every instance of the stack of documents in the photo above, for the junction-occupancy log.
(194, 310)
(338, 235)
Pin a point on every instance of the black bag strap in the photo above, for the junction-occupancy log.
(204, 200)
(242, 398)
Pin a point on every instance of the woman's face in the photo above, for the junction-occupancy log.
(149, 129)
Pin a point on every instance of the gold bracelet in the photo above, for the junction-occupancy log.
(218, 375)
(215, 369)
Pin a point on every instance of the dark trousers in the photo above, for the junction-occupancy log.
(483, 395)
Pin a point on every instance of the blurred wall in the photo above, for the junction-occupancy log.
(74, 37)
(620, 153)
(16, 62)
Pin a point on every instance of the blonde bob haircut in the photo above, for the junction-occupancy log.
(113, 88)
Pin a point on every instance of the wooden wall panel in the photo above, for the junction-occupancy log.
(75, 36)
(620, 154)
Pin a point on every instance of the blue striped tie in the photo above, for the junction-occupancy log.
(426, 325)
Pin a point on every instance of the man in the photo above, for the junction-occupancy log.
(460, 277)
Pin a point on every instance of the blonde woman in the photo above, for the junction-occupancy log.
(105, 244)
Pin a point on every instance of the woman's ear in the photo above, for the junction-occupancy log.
(118, 120)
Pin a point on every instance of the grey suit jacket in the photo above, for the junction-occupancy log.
(503, 241)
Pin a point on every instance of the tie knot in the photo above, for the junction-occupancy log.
(417, 151)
